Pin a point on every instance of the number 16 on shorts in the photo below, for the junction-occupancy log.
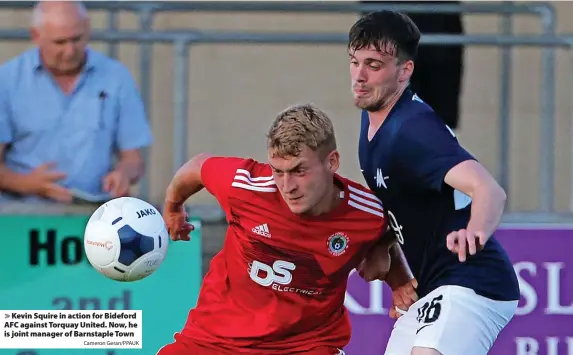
(430, 311)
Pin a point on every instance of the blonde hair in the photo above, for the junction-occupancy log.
(299, 126)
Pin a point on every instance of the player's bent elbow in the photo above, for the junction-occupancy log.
(472, 178)
(490, 191)
(499, 192)
(492, 188)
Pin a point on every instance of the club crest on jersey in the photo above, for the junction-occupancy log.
(337, 243)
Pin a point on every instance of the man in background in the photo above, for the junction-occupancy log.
(67, 113)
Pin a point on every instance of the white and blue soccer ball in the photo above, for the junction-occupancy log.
(126, 239)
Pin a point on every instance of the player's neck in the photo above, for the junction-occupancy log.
(331, 200)
(378, 117)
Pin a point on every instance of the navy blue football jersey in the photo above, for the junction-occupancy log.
(405, 164)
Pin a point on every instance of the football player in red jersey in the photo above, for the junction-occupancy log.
(296, 230)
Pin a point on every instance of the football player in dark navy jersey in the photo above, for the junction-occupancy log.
(443, 205)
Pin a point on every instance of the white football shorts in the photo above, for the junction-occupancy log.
(453, 320)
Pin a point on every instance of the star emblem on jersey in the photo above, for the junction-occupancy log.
(337, 243)
(380, 179)
(262, 230)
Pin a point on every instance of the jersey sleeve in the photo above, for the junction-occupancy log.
(425, 150)
(217, 175)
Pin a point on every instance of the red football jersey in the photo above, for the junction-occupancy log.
(279, 282)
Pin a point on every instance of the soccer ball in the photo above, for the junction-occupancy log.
(126, 239)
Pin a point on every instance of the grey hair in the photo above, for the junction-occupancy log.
(38, 12)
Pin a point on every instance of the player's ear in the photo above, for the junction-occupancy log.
(333, 161)
(406, 70)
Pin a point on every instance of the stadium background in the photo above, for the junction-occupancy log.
(234, 92)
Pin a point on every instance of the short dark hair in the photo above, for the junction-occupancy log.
(387, 31)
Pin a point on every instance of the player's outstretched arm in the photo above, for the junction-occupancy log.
(488, 203)
(187, 181)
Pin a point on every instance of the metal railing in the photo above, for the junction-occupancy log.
(146, 11)
(145, 36)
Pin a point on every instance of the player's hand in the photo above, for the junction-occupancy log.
(465, 241)
(43, 183)
(175, 219)
(116, 183)
(393, 313)
(403, 297)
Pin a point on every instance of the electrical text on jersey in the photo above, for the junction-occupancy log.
(278, 277)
